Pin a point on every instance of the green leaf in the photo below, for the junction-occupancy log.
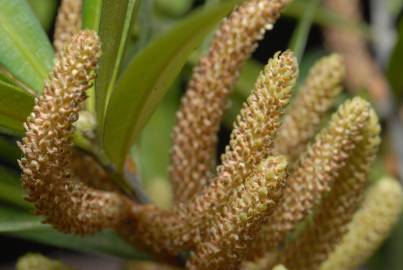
(153, 151)
(105, 242)
(115, 26)
(15, 106)
(45, 11)
(11, 190)
(16, 220)
(148, 77)
(395, 6)
(24, 48)
(301, 33)
(21, 224)
(395, 65)
(91, 14)
(14, 102)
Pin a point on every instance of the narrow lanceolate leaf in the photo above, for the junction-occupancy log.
(15, 106)
(236, 223)
(91, 14)
(24, 48)
(114, 29)
(14, 220)
(11, 190)
(314, 174)
(370, 226)
(198, 120)
(105, 242)
(15, 103)
(147, 79)
(330, 222)
(313, 101)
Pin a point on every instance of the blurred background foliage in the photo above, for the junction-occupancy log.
(150, 22)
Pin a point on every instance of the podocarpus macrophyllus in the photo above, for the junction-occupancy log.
(273, 175)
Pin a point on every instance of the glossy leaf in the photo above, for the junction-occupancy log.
(91, 14)
(148, 77)
(21, 224)
(105, 242)
(15, 106)
(115, 26)
(14, 102)
(24, 48)
(45, 11)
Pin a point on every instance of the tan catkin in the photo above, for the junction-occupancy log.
(47, 175)
(336, 210)
(370, 226)
(68, 23)
(230, 233)
(250, 142)
(314, 174)
(195, 134)
(183, 227)
(310, 106)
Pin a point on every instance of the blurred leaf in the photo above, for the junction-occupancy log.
(11, 190)
(9, 152)
(15, 106)
(24, 48)
(395, 74)
(21, 224)
(10, 126)
(14, 102)
(91, 14)
(105, 242)
(148, 77)
(395, 6)
(15, 220)
(173, 7)
(45, 11)
(301, 33)
(115, 26)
